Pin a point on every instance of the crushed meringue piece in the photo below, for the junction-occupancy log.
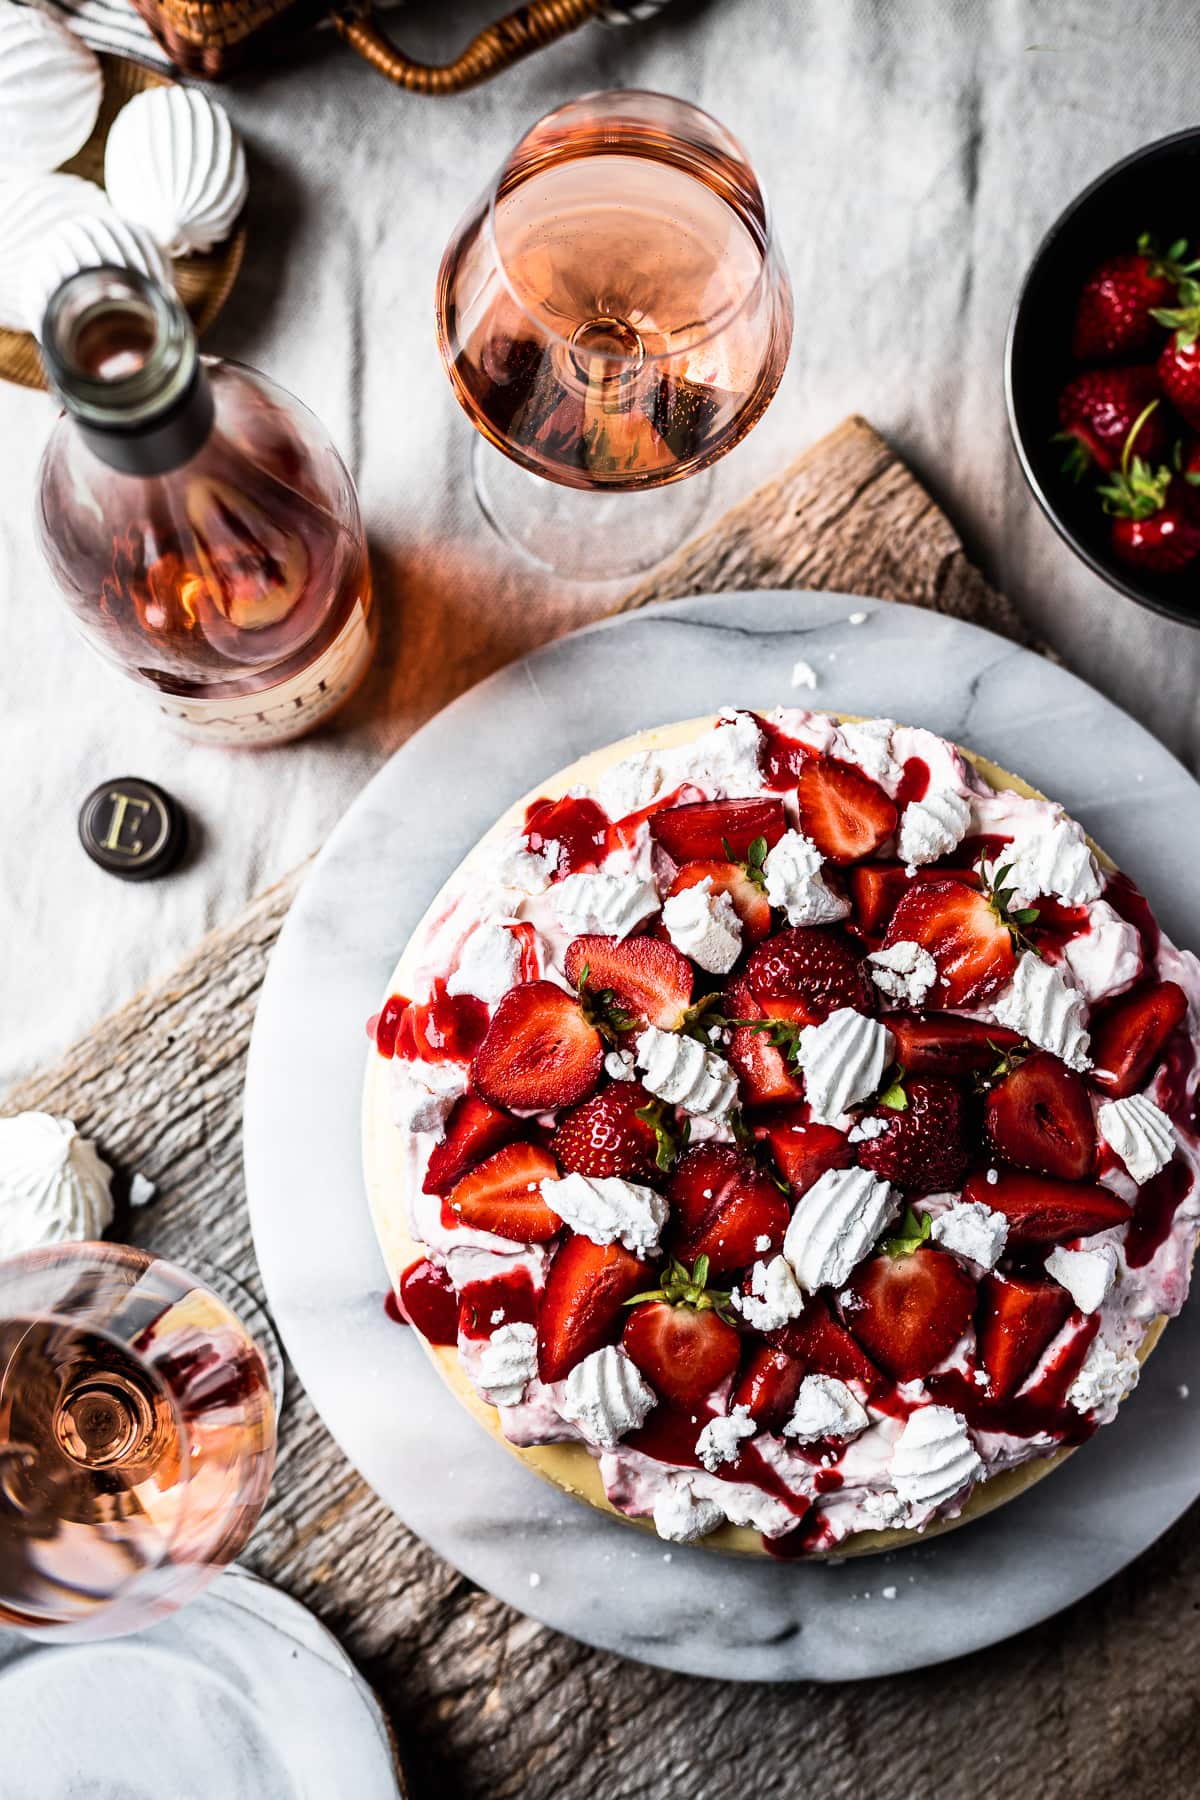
(843, 1059)
(489, 963)
(1039, 1004)
(973, 1231)
(1140, 1133)
(905, 972)
(607, 1396)
(796, 885)
(704, 926)
(771, 1298)
(834, 1225)
(608, 1209)
(935, 1458)
(825, 1408)
(680, 1070)
(1088, 1275)
(722, 1438)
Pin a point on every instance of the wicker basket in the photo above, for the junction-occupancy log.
(212, 38)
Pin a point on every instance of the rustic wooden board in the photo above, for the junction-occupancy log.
(486, 1704)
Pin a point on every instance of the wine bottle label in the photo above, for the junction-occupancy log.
(289, 708)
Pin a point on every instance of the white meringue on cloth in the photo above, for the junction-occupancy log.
(88, 242)
(175, 164)
(50, 86)
(31, 207)
(54, 1186)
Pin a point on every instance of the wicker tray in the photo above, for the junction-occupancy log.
(203, 282)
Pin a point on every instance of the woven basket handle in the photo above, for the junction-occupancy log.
(527, 29)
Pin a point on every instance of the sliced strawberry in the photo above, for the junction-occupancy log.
(764, 1077)
(605, 1136)
(910, 1309)
(823, 1346)
(768, 1385)
(970, 944)
(876, 889)
(708, 830)
(504, 1195)
(1040, 1117)
(815, 971)
(539, 1050)
(846, 814)
(648, 976)
(1043, 1210)
(1129, 1037)
(586, 1288)
(942, 1044)
(924, 1149)
(684, 1353)
(1015, 1322)
(724, 1208)
(747, 898)
(473, 1130)
(803, 1151)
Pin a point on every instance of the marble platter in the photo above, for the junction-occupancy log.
(242, 1694)
(565, 1564)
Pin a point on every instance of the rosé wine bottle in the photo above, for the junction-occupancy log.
(203, 529)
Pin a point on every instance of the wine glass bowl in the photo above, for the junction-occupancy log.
(613, 311)
(137, 1439)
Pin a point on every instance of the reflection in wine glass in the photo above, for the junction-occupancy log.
(137, 1439)
(614, 315)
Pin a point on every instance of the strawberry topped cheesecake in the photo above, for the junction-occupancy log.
(781, 1131)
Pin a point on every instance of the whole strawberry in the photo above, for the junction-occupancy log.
(1115, 318)
(618, 1132)
(1103, 410)
(924, 1148)
(1179, 364)
(1155, 517)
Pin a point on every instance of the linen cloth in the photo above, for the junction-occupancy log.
(914, 150)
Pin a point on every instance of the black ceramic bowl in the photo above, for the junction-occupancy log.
(1153, 190)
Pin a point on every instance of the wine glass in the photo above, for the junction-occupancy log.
(137, 1439)
(614, 314)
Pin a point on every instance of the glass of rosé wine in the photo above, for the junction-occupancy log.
(614, 314)
(137, 1439)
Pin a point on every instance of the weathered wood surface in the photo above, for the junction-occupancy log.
(487, 1705)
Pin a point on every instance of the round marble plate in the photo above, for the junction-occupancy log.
(242, 1694)
(565, 1563)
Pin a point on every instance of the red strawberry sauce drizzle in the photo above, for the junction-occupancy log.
(914, 781)
(669, 1436)
(1154, 1212)
(1127, 900)
(526, 936)
(577, 824)
(513, 1294)
(444, 1028)
(384, 1026)
(1043, 1407)
(781, 757)
(426, 1300)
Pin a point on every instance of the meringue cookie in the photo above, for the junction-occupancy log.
(681, 1516)
(505, 1364)
(825, 1408)
(834, 1225)
(609, 904)
(88, 241)
(868, 744)
(1043, 1007)
(796, 885)
(722, 1438)
(30, 209)
(680, 1070)
(1087, 1275)
(50, 87)
(973, 1231)
(54, 1186)
(843, 1059)
(771, 1297)
(1140, 1133)
(905, 972)
(704, 926)
(606, 1396)
(933, 826)
(175, 164)
(608, 1209)
(1053, 860)
(935, 1458)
